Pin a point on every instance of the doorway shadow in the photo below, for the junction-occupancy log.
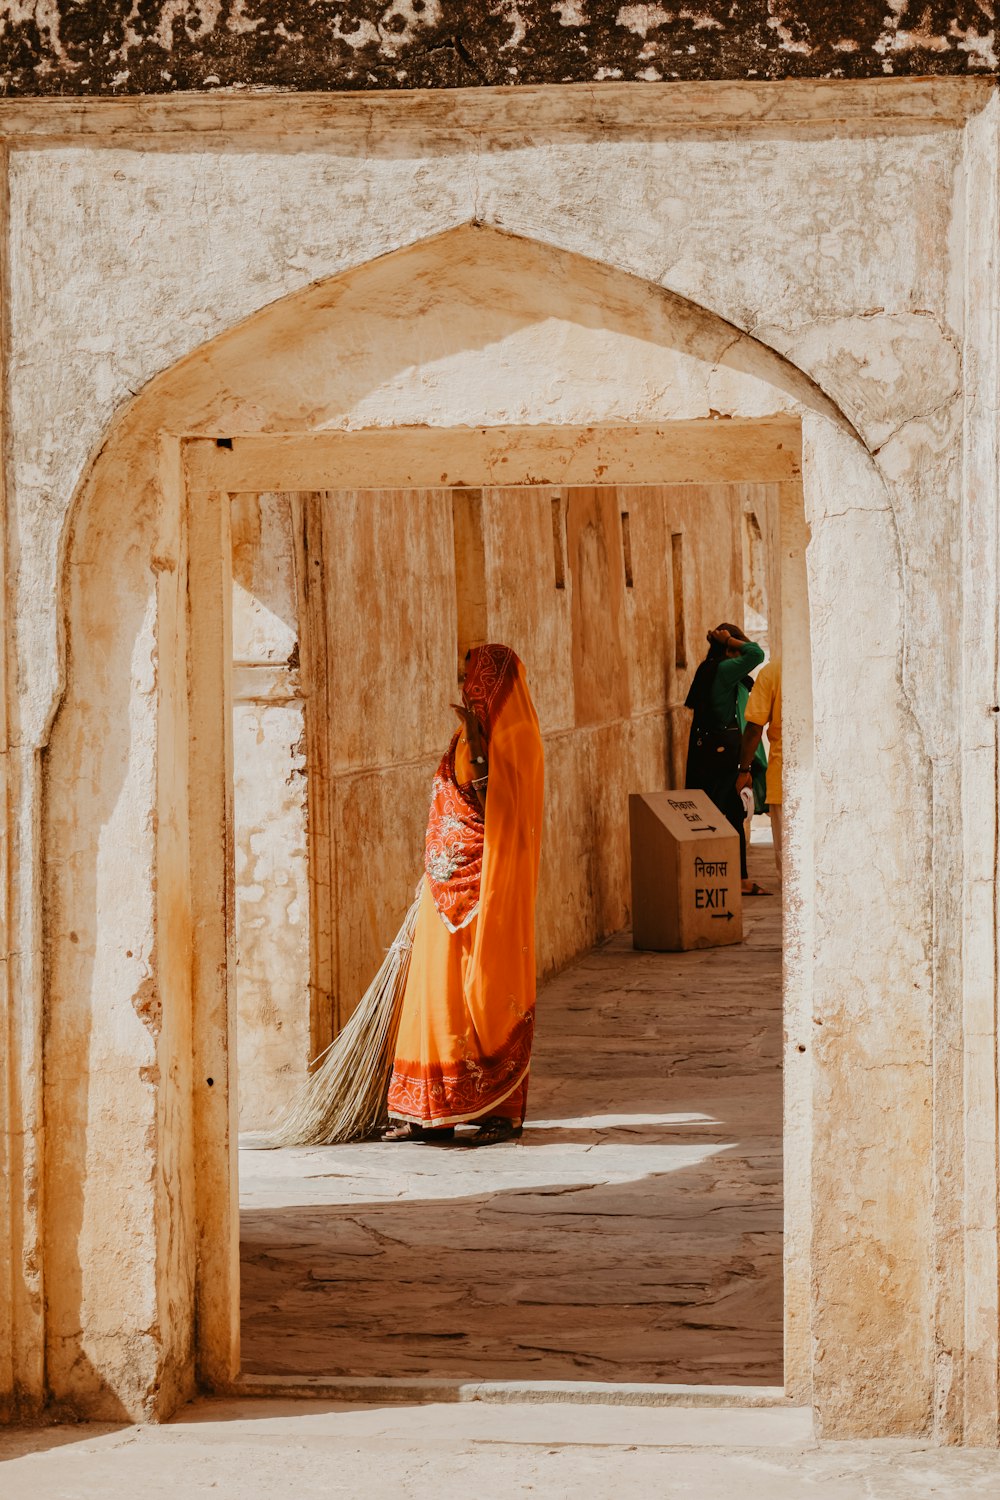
(673, 1276)
(22, 1442)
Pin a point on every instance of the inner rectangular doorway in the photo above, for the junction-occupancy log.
(634, 1235)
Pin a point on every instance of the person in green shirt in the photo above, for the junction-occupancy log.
(716, 730)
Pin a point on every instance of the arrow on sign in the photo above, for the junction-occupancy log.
(722, 916)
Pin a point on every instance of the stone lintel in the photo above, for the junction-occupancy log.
(311, 119)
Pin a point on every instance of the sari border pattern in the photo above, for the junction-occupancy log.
(463, 1089)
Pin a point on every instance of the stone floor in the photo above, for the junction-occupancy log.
(270, 1450)
(634, 1234)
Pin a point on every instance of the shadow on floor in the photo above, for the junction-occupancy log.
(20, 1442)
(673, 1277)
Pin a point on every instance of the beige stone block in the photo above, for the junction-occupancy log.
(651, 648)
(565, 912)
(530, 590)
(594, 546)
(388, 575)
(685, 872)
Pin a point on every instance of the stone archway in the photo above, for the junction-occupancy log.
(132, 888)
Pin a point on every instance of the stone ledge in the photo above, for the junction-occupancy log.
(506, 1392)
(310, 119)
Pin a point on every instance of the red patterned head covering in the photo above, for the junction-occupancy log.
(489, 677)
(456, 828)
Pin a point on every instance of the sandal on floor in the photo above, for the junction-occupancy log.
(406, 1130)
(756, 890)
(494, 1130)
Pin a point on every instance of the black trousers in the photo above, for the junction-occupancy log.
(715, 772)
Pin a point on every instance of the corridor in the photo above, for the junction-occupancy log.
(633, 1234)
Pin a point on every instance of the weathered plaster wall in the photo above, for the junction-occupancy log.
(82, 47)
(838, 240)
(273, 939)
(102, 1058)
(760, 557)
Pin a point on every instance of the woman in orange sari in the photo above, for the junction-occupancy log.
(464, 1042)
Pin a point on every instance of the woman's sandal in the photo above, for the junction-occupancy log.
(756, 890)
(406, 1130)
(494, 1130)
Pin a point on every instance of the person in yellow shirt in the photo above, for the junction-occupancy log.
(764, 707)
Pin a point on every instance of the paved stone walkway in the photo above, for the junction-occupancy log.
(275, 1450)
(634, 1234)
(318, 1451)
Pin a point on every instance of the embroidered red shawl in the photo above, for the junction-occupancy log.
(453, 850)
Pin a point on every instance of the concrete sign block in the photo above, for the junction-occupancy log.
(685, 872)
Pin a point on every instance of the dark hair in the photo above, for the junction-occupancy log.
(700, 691)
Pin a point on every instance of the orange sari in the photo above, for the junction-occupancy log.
(464, 1042)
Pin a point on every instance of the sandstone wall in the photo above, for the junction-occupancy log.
(596, 624)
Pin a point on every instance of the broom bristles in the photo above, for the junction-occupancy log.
(344, 1099)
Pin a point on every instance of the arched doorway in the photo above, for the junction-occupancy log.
(313, 381)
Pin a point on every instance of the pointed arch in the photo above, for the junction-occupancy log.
(471, 328)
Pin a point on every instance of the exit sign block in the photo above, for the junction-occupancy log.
(685, 872)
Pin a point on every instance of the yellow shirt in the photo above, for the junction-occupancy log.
(764, 707)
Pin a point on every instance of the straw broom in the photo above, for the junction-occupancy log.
(344, 1099)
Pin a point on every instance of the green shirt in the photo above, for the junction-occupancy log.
(731, 670)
